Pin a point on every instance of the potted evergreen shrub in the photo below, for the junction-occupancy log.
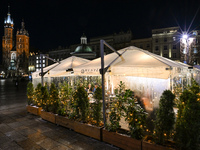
(188, 120)
(121, 106)
(53, 105)
(65, 94)
(34, 99)
(164, 123)
(81, 114)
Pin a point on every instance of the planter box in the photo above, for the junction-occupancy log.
(65, 122)
(34, 110)
(122, 141)
(88, 130)
(48, 116)
(150, 146)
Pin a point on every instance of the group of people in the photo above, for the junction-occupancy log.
(89, 89)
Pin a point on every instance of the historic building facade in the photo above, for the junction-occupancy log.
(15, 53)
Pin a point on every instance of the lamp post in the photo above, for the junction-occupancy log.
(186, 48)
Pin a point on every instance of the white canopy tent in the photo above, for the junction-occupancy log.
(145, 73)
(57, 70)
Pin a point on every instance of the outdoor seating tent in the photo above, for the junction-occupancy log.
(58, 70)
(147, 74)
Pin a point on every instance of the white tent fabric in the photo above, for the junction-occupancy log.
(133, 62)
(57, 69)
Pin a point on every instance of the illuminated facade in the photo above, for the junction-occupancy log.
(15, 55)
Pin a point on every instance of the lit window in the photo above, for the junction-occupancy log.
(43, 65)
(174, 38)
(195, 50)
(36, 57)
(37, 61)
(37, 65)
(43, 61)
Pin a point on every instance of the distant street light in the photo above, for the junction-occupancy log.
(186, 43)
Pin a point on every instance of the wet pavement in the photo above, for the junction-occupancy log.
(20, 130)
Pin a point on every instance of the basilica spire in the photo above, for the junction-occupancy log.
(8, 21)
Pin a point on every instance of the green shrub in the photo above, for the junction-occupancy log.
(97, 115)
(45, 98)
(30, 93)
(188, 120)
(165, 117)
(53, 99)
(65, 94)
(37, 98)
(80, 104)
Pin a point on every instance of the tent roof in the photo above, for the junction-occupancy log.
(56, 68)
(133, 61)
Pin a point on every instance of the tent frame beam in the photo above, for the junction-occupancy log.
(103, 71)
(43, 73)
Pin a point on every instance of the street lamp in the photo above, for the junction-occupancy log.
(186, 43)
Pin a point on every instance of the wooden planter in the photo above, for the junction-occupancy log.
(122, 141)
(65, 122)
(149, 146)
(48, 116)
(34, 110)
(88, 130)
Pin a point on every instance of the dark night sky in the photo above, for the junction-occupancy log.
(62, 22)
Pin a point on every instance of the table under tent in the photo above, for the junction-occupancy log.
(147, 74)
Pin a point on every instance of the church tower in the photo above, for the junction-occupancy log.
(22, 47)
(7, 40)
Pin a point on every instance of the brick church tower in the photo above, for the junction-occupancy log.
(7, 40)
(15, 55)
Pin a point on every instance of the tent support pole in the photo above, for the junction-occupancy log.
(102, 79)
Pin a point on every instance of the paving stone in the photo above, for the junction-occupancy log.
(26, 131)
(15, 124)
(61, 147)
(37, 137)
(29, 145)
(12, 146)
(5, 128)
(48, 143)
(15, 136)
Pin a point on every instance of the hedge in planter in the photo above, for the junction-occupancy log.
(37, 97)
(165, 117)
(30, 93)
(53, 99)
(80, 105)
(135, 115)
(65, 94)
(188, 120)
(96, 113)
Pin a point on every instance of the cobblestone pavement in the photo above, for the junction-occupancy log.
(20, 130)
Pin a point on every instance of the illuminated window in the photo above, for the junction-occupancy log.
(37, 61)
(43, 65)
(195, 50)
(43, 61)
(174, 38)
